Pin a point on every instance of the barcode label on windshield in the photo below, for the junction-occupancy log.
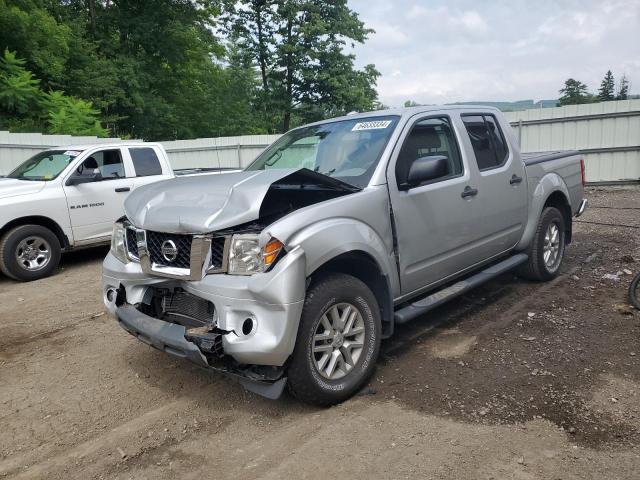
(375, 125)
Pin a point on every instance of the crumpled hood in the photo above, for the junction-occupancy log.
(201, 203)
(11, 187)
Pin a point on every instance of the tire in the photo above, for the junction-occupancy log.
(29, 252)
(311, 378)
(537, 267)
(634, 291)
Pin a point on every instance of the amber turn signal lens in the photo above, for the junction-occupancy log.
(270, 251)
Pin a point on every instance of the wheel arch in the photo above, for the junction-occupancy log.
(551, 190)
(365, 268)
(43, 222)
(560, 201)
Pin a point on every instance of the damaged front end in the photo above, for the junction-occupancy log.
(186, 326)
(208, 286)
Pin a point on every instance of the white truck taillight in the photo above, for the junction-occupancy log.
(583, 173)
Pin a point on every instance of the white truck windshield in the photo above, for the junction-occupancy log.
(45, 165)
(348, 150)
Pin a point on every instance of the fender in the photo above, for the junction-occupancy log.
(329, 238)
(63, 233)
(548, 184)
(357, 222)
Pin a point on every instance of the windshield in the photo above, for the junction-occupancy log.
(45, 165)
(348, 150)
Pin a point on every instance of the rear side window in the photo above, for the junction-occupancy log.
(145, 162)
(429, 137)
(487, 140)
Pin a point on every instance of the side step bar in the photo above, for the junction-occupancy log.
(436, 299)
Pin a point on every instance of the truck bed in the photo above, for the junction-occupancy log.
(533, 158)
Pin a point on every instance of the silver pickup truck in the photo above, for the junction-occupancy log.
(292, 271)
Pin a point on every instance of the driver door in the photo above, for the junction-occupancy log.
(435, 225)
(94, 206)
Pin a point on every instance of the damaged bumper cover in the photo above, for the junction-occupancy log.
(170, 338)
(272, 300)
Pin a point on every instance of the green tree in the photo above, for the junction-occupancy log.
(574, 92)
(607, 88)
(623, 89)
(71, 116)
(411, 103)
(298, 46)
(24, 106)
(19, 90)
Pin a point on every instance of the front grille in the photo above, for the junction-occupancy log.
(132, 242)
(217, 252)
(187, 309)
(183, 247)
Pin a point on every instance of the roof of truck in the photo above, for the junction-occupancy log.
(409, 111)
(107, 145)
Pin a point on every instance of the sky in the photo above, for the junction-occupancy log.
(442, 51)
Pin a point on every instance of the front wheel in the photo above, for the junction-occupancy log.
(338, 341)
(547, 247)
(29, 252)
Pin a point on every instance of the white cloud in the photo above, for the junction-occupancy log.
(444, 51)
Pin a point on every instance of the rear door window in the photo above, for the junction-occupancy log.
(145, 161)
(487, 141)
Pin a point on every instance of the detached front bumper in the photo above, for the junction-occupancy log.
(170, 338)
(273, 301)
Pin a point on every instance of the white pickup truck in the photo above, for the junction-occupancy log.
(67, 198)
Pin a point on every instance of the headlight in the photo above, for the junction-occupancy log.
(246, 257)
(117, 242)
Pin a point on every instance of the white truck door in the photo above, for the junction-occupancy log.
(149, 164)
(94, 205)
(500, 205)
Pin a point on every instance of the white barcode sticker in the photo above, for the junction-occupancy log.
(373, 125)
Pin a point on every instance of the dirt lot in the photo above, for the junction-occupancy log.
(517, 380)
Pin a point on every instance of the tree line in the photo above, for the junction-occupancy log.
(575, 92)
(177, 69)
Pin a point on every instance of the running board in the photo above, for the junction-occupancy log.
(436, 299)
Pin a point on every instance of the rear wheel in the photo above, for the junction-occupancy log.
(547, 247)
(29, 252)
(338, 341)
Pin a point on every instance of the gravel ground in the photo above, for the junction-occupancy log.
(515, 380)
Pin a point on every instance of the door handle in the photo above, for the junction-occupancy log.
(515, 179)
(469, 192)
(123, 189)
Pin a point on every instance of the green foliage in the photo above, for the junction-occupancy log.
(19, 91)
(69, 115)
(574, 92)
(24, 106)
(607, 88)
(157, 69)
(298, 46)
(623, 89)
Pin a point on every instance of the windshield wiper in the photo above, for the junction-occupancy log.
(328, 174)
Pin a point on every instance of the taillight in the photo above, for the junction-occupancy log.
(583, 174)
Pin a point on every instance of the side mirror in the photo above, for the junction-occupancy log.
(424, 169)
(79, 178)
